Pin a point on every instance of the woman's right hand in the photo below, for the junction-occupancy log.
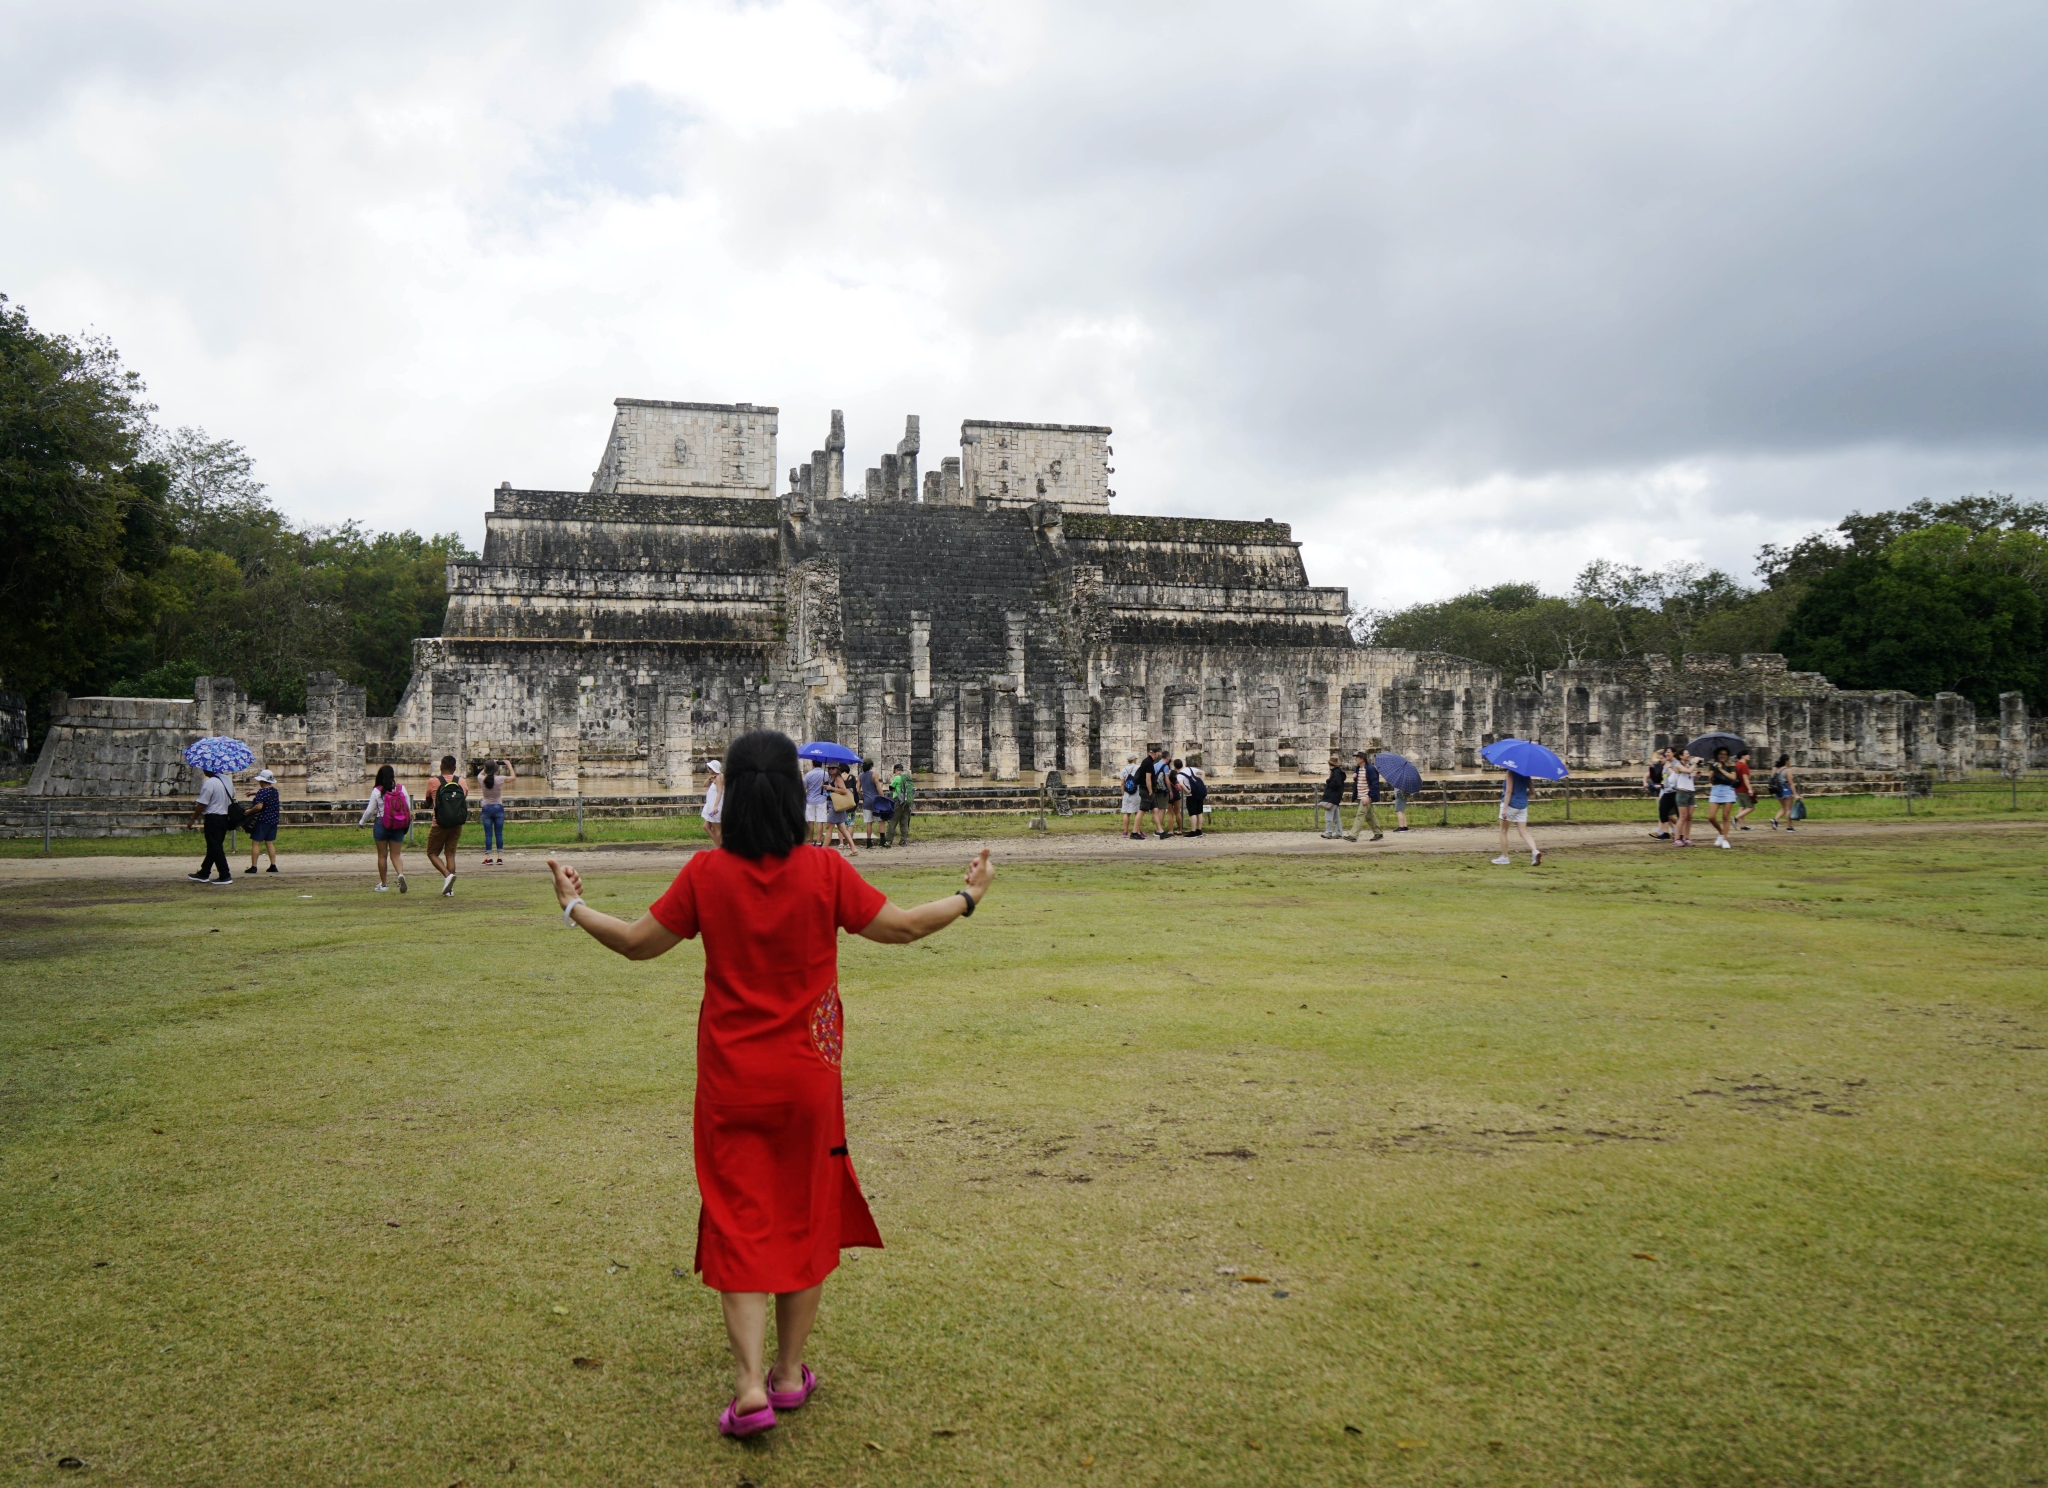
(980, 874)
(568, 883)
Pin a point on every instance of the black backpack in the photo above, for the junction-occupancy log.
(451, 805)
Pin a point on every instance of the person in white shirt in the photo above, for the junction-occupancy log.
(214, 799)
(714, 803)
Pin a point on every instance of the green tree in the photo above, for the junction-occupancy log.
(1940, 608)
(83, 517)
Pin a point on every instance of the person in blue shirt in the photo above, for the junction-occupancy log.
(1514, 807)
(262, 819)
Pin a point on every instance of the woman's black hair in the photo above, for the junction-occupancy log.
(386, 777)
(764, 796)
(486, 770)
(868, 765)
(1783, 760)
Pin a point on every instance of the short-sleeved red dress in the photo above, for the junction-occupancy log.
(779, 1194)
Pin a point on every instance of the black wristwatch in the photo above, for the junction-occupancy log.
(970, 903)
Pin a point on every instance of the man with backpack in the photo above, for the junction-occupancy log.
(1160, 776)
(902, 793)
(451, 809)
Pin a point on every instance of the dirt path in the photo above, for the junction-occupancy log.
(1012, 847)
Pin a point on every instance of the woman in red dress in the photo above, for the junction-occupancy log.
(779, 1196)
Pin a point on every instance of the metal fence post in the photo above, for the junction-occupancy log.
(1445, 790)
(579, 816)
(46, 829)
(1567, 798)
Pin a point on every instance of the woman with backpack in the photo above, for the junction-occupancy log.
(1133, 803)
(778, 1193)
(388, 816)
(1785, 786)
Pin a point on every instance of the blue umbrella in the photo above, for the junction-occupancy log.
(1399, 772)
(1524, 757)
(828, 754)
(219, 754)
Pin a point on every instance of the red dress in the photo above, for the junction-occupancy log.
(778, 1189)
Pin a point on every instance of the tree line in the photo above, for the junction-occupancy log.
(137, 559)
(1935, 597)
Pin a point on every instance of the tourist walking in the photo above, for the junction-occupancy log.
(1365, 790)
(714, 803)
(815, 809)
(1333, 800)
(449, 804)
(388, 816)
(778, 1193)
(266, 808)
(1514, 807)
(1721, 782)
(210, 814)
(1659, 783)
(491, 776)
(1679, 772)
(903, 795)
(1198, 799)
(1745, 792)
(1134, 800)
(870, 802)
(1785, 786)
(839, 809)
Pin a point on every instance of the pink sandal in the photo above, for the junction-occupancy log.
(791, 1399)
(753, 1423)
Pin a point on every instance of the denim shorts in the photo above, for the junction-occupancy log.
(380, 833)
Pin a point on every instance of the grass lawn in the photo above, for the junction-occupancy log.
(1728, 1169)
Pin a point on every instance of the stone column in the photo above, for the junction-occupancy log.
(945, 742)
(1045, 737)
(920, 653)
(676, 730)
(1002, 743)
(1120, 729)
(1956, 724)
(323, 773)
(873, 710)
(971, 753)
(564, 746)
(1219, 728)
(446, 733)
(1013, 650)
(1074, 733)
(1266, 733)
(1312, 730)
(2012, 731)
(894, 744)
(1353, 701)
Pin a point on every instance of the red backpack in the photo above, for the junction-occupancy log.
(397, 809)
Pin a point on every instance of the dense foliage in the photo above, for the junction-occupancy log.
(1936, 597)
(138, 560)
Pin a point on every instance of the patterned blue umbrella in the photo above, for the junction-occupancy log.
(1524, 757)
(1399, 772)
(219, 754)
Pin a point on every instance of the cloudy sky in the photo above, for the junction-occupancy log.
(1467, 292)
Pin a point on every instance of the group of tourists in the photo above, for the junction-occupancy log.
(834, 792)
(390, 811)
(218, 813)
(1367, 789)
(1171, 791)
(1674, 778)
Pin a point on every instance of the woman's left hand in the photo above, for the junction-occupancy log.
(568, 883)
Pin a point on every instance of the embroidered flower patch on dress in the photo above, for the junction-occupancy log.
(828, 1034)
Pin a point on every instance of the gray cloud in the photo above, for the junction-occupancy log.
(1464, 291)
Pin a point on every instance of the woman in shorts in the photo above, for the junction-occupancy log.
(838, 823)
(388, 816)
(1679, 774)
(1785, 786)
(713, 809)
(264, 811)
(1133, 801)
(1721, 781)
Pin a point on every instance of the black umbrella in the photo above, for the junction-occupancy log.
(1705, 745)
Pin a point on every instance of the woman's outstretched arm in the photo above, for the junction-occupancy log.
(637, 940)
(895, 926)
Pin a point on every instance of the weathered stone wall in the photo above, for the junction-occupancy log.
(683, 449)
(1018, 465)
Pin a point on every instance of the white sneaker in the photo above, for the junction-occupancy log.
(448, 886)
(1722, 842)
(401, 883)
(1502, 862)
(381, 889)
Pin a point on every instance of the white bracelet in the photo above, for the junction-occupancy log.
(568, 910)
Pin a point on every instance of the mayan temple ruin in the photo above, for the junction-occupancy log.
(988, 619)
